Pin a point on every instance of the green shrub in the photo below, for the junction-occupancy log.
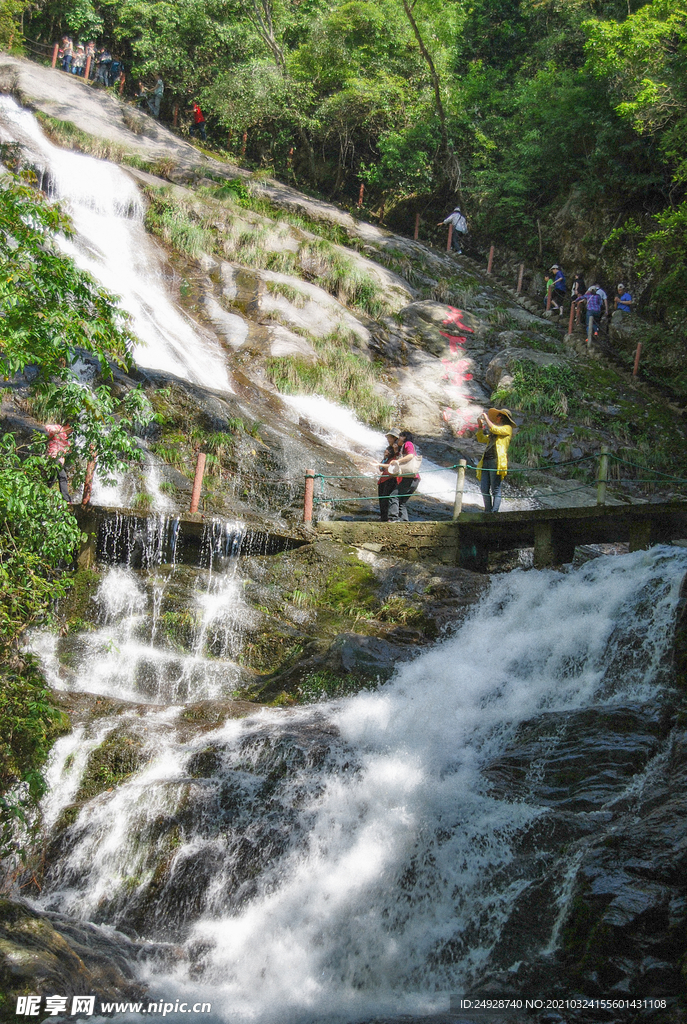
(339, 374)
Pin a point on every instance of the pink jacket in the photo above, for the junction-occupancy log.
(58, 439)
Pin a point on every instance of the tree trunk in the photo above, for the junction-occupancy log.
(408, 8)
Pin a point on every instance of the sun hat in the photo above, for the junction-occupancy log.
(493, 413)
(621, 286)
(554, 267)
(392, 432)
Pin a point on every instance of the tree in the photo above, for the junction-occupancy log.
(50, 312)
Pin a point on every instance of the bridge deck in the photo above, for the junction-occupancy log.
(553, 533)
(143, 539)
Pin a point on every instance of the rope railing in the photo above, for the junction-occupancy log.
(36, 43)
(602, 480)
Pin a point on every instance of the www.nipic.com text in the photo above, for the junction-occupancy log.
(84, 1006)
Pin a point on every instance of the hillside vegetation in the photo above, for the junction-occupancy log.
(562, 126)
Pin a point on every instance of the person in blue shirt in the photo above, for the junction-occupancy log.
(623, 300)
(559, 287)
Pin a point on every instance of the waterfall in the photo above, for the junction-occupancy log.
(135, 654)
(365, 856)
(112, 244)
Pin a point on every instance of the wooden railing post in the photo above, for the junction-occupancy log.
(87, 69)
(638, 353)
(417, 227)
(197, 481)
(602, 478)
(308, 495)
(548, 299)
(572, 316)
(491, 259)
(122, 80)
(175, 115)
(520, 273)
(460, 484)
(450, 236)
(360, 195)
(244, 143)
(55, 51)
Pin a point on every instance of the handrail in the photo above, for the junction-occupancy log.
(602, 480)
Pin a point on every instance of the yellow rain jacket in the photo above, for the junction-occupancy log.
(503, 434)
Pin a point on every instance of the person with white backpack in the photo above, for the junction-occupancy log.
(460, 228)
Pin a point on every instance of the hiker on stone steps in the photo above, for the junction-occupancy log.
(460, 228)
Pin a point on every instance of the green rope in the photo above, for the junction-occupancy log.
(647, 469)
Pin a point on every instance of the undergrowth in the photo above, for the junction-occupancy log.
(339, 374)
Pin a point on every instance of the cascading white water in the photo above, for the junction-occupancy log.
(130, 657)
(112, 244)
(350, 859)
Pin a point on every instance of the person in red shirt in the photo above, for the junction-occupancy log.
(58, 446)
(407, 484)
(198, 121)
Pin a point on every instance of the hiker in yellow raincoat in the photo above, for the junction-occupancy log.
(495, 430)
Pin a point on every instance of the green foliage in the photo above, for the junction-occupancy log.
(541, 389)
(48, 307)
(51, 312)
(338, 374)
(29, 725)
(662, 256)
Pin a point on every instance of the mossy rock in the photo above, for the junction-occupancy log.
(118, 757)
(351, 587)
(43, 956)
(78, 607)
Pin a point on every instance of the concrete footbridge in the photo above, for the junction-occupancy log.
(144, 539)
(553, 533)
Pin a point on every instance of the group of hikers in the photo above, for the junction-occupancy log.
(104, 68)
(593, 299)
(400, 465)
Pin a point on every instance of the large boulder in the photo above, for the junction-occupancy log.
(499, 370)
(47, 955)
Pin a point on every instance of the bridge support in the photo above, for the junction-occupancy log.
(86, 555)
(473, 556)
(552, 545)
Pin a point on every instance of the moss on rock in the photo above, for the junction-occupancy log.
(119, 756)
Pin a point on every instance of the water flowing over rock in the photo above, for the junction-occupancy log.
(478, 823)
(322, 785)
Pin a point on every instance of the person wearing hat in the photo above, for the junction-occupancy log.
(559, 286)
(460, 228)
(495, 429)
(623, 300)
(387, 485)
(592, 298)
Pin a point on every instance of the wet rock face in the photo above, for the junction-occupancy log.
(611, 785)
(50, 954)
(206, 838)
